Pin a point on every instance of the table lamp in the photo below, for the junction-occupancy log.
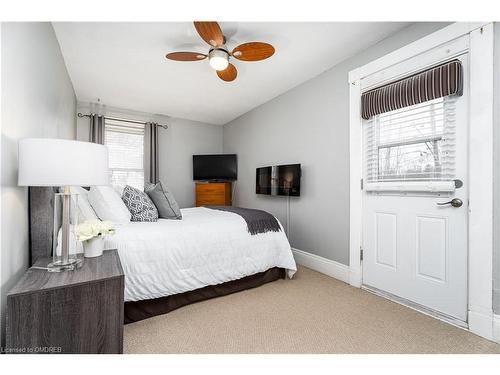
(62, 163)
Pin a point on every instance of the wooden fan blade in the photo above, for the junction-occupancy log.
(186, 56)
(253, 51)
(210, 32)
(229, 74)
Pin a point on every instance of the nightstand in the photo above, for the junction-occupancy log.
(77, 311)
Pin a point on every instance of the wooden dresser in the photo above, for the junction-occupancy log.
(213, 194)
(77, 311)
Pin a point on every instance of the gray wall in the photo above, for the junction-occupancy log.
(310, 125)
(179, 143)
(177, 146)
(37, 101)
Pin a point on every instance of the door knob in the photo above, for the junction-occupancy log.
(455, 202)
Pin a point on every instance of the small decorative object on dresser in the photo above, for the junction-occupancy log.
(213, 194)
(91, 233)
(76, 312)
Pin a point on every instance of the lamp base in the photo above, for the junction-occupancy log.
(60, 266)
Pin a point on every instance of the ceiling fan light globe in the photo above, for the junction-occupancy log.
(218, 59)
(219, 63)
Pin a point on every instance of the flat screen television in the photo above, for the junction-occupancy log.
(279, 180)
(220, 167)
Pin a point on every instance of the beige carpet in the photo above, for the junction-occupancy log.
(312, 313)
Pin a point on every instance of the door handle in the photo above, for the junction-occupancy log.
(455, 202)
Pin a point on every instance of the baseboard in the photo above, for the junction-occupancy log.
(326, 266)
(355, 278)
(481, 324)
(496, 328)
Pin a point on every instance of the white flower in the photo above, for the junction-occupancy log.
(86, 231)
(106, 227)
(93, 228)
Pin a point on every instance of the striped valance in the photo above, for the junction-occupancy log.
(442, 80)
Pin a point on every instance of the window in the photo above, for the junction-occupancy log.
(125, 142)
(414, 143)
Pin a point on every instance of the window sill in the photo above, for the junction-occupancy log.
(413, 186)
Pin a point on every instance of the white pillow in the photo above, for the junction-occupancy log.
(119, 189)
(108, 205)
(84, 210)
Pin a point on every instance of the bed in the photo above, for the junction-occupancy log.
(171, 263)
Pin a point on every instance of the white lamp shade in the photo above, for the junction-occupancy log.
(59, 162)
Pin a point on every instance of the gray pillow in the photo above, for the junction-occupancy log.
(164, 201)
(139, 205)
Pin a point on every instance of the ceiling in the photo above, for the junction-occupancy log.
(124, 64)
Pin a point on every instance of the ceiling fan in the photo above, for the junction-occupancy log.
(219, 55)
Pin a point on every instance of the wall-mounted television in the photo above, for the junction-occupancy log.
(278, 180)
(220, 167)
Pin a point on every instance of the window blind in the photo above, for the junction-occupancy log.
(415, 143)
(125, 144)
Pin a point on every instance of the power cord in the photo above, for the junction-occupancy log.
(288, 216)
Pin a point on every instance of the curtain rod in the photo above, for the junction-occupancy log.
(124, 120)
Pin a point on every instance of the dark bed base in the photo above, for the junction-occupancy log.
(139, 310)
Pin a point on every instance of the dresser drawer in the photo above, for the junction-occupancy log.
(210, 188)
(213, 194)
(211, 202)
(210, 195)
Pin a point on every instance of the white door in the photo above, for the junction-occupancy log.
(414, 242)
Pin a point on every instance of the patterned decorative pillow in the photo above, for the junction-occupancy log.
(139, 204)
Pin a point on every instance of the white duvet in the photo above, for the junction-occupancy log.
(206, 247)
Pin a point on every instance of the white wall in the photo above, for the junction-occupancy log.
(496, 196)
(178, 143)
(37, 101)
(309, 125)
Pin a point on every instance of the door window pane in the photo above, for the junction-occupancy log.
(416, 143)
